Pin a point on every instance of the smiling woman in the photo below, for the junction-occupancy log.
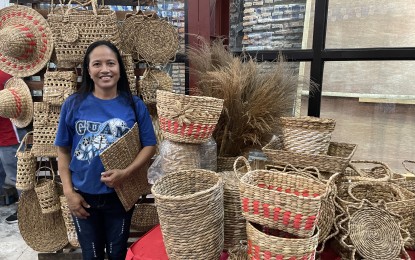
(92, 119)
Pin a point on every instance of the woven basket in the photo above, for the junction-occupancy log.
(152, 80)
(310, 135)
(41, 232)
(282, 201)
(190, 208)
(144, 217)
(336, 159)
(45, 125)
(128, 30)
(47, 192)
(58, 85)
(69, 224)
(264, 246)
(130, 70)
(120, 155)
(74, 30)
(225, 163)
(187, 119)
(26, 165)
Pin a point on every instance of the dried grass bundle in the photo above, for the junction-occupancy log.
(255, 97)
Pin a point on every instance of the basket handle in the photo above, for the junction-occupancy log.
(353, 185)
(235, 164)
(388, 170)
(404, 163)
(50, 168)
(23, 142)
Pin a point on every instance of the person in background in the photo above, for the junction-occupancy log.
(92, 119)
(10, 137)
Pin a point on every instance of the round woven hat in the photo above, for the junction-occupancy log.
(16, 102)
(25, 41)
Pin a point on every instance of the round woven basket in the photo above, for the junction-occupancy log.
(187, 119)
(69, 224)
(26, 166)
(310, 135)
(153, 80)
(264, 246)
(42, 232)
(47, 193)
(190, 208)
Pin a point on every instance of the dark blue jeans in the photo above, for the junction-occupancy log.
(106, 229)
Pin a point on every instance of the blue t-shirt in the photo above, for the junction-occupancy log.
(89, 126)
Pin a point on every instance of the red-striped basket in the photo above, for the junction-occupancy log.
(282, 201)
(187, 119)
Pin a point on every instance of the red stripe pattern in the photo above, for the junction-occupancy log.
(18, 102)
(186, 131)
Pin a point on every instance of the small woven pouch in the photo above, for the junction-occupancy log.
(26, 165)
(47, 192)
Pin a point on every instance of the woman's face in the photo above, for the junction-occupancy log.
(104, 68)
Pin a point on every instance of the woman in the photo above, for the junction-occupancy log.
(96, 116)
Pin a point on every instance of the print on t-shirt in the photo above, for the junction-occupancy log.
(96, 137)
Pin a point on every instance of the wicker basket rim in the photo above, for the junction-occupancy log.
(186, 197)
(188, 97)
(314, 236)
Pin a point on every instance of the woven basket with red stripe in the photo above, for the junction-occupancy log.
(282, 201)
(187, 119)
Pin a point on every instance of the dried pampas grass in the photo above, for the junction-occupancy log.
(256, 95)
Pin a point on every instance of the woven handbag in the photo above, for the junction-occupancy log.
(69, 224)
(45, 125)
(187, 119)
(190, 208)
(152, 80)
(58, 85)
(282, 201)
(263, 245)
(47, 192)
(26, 165)
(74, 28)
(310, 135)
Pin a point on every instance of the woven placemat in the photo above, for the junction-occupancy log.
(119, 155)
(42, 232)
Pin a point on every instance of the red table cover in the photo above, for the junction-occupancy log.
(151, 247)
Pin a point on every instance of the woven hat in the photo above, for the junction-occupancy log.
(16, 102)
(26, 42)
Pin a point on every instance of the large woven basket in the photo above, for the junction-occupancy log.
(69, 224)
(26, 165)
(58, 85)
(336, 159)
(187, 119)
(74, 30)
(265, 246)
(45, 125)
(282, 201)
(310, 135)
(190, 208)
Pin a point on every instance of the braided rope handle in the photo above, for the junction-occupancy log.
(47, 168)
(394, 189)
(23, 142)
(79, 4)
(404, 163)
(388, 170)
(235, 164)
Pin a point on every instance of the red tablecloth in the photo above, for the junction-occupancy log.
(151, 247)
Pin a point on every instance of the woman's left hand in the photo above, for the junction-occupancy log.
(113, 178)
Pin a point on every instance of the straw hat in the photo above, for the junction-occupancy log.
(25, 41)
(16, 102)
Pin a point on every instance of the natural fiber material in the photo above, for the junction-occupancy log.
(74, 30)
(310, 135)
(234, 222)
(154, 79)
(69, 224)
(144, 217)
(58, 85)
(130, 70)
(375, 233)
(282, 201)
(26, 165)
(45, 126)
(16, 102)
(26, 42)
(128, 29)
(264, 246)
(336, 159)
(225, 163)
(190, 207)
(41, 232)
(187, 119)
(119, 155)
(47, 192)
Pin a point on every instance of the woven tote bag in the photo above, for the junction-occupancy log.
(190, 208)
(26, 164)
(47, 193)
(187, 119)
(152, 80)
(74, 28)
(307, 134)
(282, 201)
(58, 85)
(69, 224)
(45, 125)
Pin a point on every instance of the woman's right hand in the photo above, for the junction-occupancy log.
(77, 205)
